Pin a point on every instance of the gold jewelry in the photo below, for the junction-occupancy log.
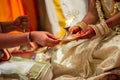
(96, 30)
(118, 5)
(82, 25)
(105, 27)
(99, 10)
(101, 29)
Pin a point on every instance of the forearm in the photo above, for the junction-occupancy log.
(113, 21)
(92, 16)
(12, 40)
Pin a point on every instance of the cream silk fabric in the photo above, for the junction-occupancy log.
(92, 59)
(25, 69)
(57, 18)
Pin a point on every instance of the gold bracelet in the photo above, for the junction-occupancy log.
(101, 29)
(82, 25)
(96, 30)
(106, 28)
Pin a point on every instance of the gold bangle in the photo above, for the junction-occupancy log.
(96, 30)
(82, 25)
(106, 28)
(101, 29)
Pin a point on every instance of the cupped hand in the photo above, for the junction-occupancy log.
(22, 23)
(74, 29)
(44, 38)
(87, 33)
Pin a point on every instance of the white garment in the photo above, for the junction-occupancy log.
(67, 6)
(77, 8)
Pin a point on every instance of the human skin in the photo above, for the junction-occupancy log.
(21, 24)
(92, 18)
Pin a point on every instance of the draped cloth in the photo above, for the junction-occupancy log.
(10, 9)
(84, 59)
(87, 59)
(59, 10)
(25, 69)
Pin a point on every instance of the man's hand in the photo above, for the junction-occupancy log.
(44, 38)
(22, 23)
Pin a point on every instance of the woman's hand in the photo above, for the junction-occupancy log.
(74, 29)
(87, 33)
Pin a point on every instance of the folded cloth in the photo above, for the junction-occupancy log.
(24, 69)
(4, 55)
(69, 38)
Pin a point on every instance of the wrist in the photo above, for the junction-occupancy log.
(101, 29)
(82, 25)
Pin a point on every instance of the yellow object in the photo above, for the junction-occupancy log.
(61, 33)
(61, 18)
(15, 32)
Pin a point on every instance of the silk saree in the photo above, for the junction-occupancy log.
(88, 59)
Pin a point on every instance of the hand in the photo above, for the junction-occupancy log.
(74, 29)
(22, 23)
(44, 38)
(87, 33)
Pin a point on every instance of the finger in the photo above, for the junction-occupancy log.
(86, 35)
(24, 18)
(50, 45)
(72, 31)
(51, 36)
(26, 24)
(52, 41)
(82, 35)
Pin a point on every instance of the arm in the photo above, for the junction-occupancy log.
(100, 28)
(90, 18)
(12, 40)
(113, 21)
(21, 23)
(40, 37)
